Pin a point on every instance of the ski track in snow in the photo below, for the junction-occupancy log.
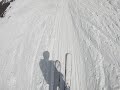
(87, 29)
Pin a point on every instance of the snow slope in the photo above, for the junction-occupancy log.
(88, 29)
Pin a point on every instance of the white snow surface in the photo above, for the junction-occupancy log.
(88, 29)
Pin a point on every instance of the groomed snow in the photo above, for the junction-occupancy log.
(87, 29)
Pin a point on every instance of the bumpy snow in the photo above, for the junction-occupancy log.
(87, 29)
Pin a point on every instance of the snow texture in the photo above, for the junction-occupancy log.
(87, 29)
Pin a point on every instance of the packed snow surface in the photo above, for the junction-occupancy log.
(89, 30)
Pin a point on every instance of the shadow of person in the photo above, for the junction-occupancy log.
(51, 72)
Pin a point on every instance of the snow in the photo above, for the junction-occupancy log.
(87, 29)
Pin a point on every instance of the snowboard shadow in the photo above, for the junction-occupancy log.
(51, 72)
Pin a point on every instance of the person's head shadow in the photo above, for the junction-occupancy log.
(51, 72)
(46, 55)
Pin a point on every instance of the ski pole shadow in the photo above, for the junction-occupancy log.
(51, 72)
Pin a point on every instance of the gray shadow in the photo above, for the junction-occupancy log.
(51, 72)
